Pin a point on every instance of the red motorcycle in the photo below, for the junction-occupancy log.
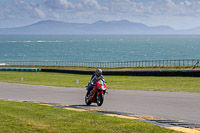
(96, 95)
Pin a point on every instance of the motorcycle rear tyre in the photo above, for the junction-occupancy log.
(100, 99)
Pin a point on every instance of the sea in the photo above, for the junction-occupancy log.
(94, 48)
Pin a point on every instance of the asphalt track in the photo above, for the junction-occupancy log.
(169, 105)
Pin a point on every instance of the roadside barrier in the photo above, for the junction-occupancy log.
(182, 73)
(21, 69)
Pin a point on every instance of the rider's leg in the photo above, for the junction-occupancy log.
(89, 89)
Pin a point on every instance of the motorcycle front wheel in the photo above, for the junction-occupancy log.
(100, 99)
(87, 99)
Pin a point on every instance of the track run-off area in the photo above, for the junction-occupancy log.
(180, 109)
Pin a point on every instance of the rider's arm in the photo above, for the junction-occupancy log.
(92, 79)
(103, 79)
(93, 75)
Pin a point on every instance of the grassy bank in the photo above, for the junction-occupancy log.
(179, 84)
(29, 117)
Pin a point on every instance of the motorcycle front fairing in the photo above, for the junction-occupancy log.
(101, 87)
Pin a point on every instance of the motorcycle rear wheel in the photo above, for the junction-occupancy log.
(87, 99)
(100, 99)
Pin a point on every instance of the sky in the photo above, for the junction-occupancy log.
(179, 14)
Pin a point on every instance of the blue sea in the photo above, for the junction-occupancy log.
(98, 47)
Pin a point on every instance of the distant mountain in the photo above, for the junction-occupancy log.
(99, 27)
(46, 27)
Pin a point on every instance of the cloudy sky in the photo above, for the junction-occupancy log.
(179, 14)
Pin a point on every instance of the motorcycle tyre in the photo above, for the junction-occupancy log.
(100, 99)
(87, 101)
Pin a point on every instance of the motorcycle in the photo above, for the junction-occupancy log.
(96, 95)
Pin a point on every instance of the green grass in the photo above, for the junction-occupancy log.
(178, 84)
(28, 117)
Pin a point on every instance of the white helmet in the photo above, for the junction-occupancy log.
(98, 72)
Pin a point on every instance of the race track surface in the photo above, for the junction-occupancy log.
(170, 105)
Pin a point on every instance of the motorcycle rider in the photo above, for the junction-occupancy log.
(95, 77)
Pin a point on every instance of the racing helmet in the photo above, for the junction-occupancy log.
(98, 72)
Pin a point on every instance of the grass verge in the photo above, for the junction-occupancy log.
(178, 84)
(29, 117)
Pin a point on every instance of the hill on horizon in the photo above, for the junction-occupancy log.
(99, 27)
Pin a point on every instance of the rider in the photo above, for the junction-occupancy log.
(95, 77)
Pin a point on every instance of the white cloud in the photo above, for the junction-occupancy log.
(185, 3)
(151, 12)
(40, 13)
(91, 4)
(58, 4)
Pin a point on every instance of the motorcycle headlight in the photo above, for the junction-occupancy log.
(103, 88)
